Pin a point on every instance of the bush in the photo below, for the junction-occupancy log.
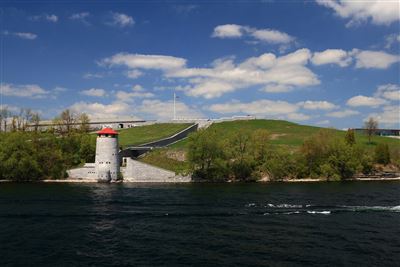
(31, 156)
(382, 154)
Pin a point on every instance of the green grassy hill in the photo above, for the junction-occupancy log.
(144, 134)
(282, 133)
(285, 133)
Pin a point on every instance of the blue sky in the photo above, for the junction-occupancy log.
(326, 63)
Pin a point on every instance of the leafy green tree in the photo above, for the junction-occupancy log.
(18, 159)
(350, 137)
(259, 145)
(281, 164)
(382, 154)
(84, 121)
(342, 160)
(370, 127)
(240, 157)
(206, 156)
(87, 150)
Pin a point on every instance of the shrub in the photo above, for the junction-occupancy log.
(382, 154)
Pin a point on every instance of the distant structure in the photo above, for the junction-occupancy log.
(107, 163)
(381, 132)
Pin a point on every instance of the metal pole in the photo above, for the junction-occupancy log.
(174, 106)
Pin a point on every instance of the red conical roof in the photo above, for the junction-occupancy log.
(107, 131)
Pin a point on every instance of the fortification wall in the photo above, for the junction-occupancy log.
(136, 171)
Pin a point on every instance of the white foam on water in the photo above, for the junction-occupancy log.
(251, 205)
(284, 206)
(325, 212)
(373, 208)
(396, 209)
(291, 212)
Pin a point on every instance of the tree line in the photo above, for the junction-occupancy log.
(27, 153)
(249, 156)
(28, 120)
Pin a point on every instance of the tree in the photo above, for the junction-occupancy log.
(350, 138)
(4, 115)
(370, 127)
(206, 156)
(35, 120)
(240, 158)
(67, 119)
(382, 154)
(27, 118)
(259, 144)
(84, 123)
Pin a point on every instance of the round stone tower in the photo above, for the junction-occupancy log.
(107, 163)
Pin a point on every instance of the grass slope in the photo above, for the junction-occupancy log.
(286, 133)
(144, 134)
(283, 133)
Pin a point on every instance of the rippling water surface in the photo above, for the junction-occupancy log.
(323, 224)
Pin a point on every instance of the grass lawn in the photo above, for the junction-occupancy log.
(144, 134)
(286, 133)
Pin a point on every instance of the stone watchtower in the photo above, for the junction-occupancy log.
(107, 163)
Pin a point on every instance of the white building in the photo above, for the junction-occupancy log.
(107, 163)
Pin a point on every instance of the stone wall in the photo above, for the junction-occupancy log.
(136, 171)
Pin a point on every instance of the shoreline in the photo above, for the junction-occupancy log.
(309, 180)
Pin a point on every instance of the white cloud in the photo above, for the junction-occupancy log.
(59, 89)
(157, 62)
(277, 88)
(185, 9)
(137, 88)
(390, 116)
(48, 17)
(22, 35)
(360, 100)
(374, 59)
(82, 17)
(130, 96)
(343, 113)
(263, 107)
(134, 74)
(121, 20)
(332, 56)
(377, 11)
(92, 75)
(391, 39)
(210, 89)
(28, 90)
(315, 105)
(79, 16)
(95, 92)
(264, 35)
(228, 31)
(102, 111)
(272, 36)
(164, 110)
(26, 35)
(224, 76)
(389, 91)
(298, 117)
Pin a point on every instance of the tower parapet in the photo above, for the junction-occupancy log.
(107, 162)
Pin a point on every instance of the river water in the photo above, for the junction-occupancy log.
(319, 224)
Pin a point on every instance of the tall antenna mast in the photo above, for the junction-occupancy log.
(174, 106)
